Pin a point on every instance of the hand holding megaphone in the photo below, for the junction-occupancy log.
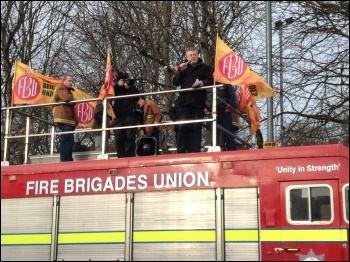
(183, 65)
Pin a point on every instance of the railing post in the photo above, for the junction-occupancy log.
(214, 115)
(7, 127)
(26, 140)
(52, 139)
(104, 119)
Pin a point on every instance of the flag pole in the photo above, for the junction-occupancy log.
(270, 135)
(214, 130)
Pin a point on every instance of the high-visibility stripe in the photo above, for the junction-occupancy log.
(231, 235)
(242, 235)
(26, 239)
(271, 235)
(175, 236)
(91, 237)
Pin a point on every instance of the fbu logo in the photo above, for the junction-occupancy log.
(27, 87)
(232, 66)
(85, 112)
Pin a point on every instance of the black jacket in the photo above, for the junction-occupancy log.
(227, 93)
(173, 111)
(187, 78)
(125, 106)
(98, 116)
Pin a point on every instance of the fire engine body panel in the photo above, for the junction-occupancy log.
(264, 204)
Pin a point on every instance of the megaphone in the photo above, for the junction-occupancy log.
(146, 146)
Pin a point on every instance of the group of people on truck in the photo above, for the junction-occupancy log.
(136, 110)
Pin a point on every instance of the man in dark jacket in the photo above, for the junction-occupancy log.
(65, 117)
(225, 117)
(193, 73)
(126, 115)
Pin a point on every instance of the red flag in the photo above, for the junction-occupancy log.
(231, 69)
(107, 89)
(248, 105)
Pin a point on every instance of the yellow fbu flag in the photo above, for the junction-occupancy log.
(248, 105)
(107, 89)
(33, 88)
(231, 69)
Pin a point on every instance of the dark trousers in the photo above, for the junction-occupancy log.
(155, 134)
(224, 140)
(224, 119)
(125, 138)
(67, 142)
(189, 136)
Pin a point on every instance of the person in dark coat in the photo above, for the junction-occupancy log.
(192, 73)
(225, 116)
(126, 115)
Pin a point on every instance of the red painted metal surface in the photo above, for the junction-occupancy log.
(176, 172)
(270, 170)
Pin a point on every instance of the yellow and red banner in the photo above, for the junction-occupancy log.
(231, 69)
(107, 89)
(33, 88)
(248, 105)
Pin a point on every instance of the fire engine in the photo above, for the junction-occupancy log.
(285, 204)
(265, 204)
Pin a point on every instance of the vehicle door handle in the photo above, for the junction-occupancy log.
(286, 249)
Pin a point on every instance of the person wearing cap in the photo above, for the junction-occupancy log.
(151, 114)
(118, 78)
(126, 115)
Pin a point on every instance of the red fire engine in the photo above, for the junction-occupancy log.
(264, 204)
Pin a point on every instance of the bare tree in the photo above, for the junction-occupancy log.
(316, 72)
(31, 32)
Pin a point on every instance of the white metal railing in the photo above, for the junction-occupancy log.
(104, 128)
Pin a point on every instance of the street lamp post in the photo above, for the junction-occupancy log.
(279, 26)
